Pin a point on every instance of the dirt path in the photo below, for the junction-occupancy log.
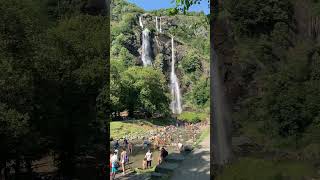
(196, 166)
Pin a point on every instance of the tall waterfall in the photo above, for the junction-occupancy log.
(160, 26)
(146, 48)
(140, 22)
(175, 89)
(157, 23)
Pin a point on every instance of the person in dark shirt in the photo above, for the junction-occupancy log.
(163, 154)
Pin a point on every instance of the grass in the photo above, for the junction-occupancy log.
(192, 117)
(254, 168)
(120, 129)
(203, 135)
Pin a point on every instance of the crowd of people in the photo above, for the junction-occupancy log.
(120, 161)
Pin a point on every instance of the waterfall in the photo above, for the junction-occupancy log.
(160, 25)
(157, 23)
(175, 89)
(146, 48)
(140, 22)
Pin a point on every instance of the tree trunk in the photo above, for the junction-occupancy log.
(220, 117)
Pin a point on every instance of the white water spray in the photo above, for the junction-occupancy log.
(160, 25)
(146, 48)
(175, 90)
(140, 22)
(157, 23)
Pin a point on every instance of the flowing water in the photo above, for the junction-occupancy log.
(146, 48)
(179, 134)
(136, 158)
(175, 89)
(140, 22)
(157, 23)
(160, 25)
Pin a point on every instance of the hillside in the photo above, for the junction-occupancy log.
(136, 88)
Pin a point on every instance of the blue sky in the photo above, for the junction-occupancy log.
(158, 4)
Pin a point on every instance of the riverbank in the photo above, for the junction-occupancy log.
(170, 133)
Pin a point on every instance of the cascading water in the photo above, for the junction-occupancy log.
(160, 25)
(157, 23)
(140, 22)
(174, 86)
(146, 48)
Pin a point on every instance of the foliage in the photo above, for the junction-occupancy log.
(191, 63)
(247, 20)
(53, 68)
(192, 117)
(205, 133)
(184, 5)
(145, 89)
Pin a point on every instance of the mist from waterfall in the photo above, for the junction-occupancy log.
(146, 48)
(221, 116)
(140, 22)
(174, 86)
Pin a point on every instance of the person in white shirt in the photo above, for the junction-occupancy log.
(180, 146)
(114, 165)
(149, 158)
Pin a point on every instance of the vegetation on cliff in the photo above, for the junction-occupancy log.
(132, 87)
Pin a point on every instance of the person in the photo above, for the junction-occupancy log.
(144, 163)
(163, 154)
(130, 147)
(180, 146)
(114, 165)
(116, 145)
(124, 159)
(117, 153)
(125, 142)
(145, 143)
(149, 158)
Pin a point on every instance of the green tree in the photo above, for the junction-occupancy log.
(201, 93)
(145, 89)
(72, 70)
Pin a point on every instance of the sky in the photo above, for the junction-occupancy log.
(158, 4)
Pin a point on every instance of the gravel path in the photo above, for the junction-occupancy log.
(196, 166)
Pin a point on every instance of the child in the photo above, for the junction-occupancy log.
(149, 158)
(144, 163)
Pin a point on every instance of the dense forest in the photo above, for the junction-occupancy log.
(53, 73)
(134, 88)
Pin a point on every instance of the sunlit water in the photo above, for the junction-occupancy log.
(175, 89)
(146, 48)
